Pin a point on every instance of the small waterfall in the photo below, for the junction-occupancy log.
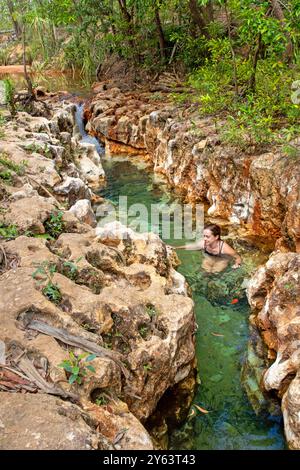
(81, 129)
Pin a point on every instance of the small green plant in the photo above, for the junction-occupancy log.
(6, 176)
(17, 168)
(155, 96)
(71, 270)
(291, 151)
(44, 275)
(47, 152)
(9, 90)
(147, 367)
(118, 334)
(76, 366)
(143, 330)
(151, 311)
(32, 147)
(54, 225)
(289, 286)
(52, 292)
(8, 231)
(102, 400)
(2, 121)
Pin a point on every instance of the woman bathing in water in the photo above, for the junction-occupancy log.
(217, 252)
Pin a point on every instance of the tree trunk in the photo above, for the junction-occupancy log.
(161, 37)
(279, 14)
(197, 18)
(27, 77)
(16, 24)
(228, 20)
(209, 11)
(252, 81)
(128, 19)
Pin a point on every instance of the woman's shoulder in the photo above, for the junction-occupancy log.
(227, 249)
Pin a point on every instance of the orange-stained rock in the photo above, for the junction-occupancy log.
(274, 294)
(259, 193)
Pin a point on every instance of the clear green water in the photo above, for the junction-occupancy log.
(231, 423)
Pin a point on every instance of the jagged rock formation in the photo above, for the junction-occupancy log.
(259, 193)
(274, 294)
(119, 299)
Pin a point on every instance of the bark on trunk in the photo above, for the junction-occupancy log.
(197, 18)
(17, 26)
(279, 14)
(161, 37)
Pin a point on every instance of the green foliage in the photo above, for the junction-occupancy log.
(9, 89)
(44, 275)
(54, 225)
(242, 56)
(17, 168)
(291, 151)
(52, 292)
(147, 367)
(71, 268)
(151, 311)
(252, 118)
(143, 331)
(102, 400)
(6, 176)
(32, 147)
(8, 231)
(2, 122)
(76, 366)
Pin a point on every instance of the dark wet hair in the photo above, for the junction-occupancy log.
(215, 229)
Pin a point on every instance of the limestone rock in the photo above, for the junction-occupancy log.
(139, 247)
(89, 163)
(74, 188)
(43, 422)
(82, 209)
(274, 292)
(29, 213)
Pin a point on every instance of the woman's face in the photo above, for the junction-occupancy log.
(209, 237)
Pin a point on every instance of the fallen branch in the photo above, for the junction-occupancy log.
(46, 191)
(168, 89)
(34, 376)
(79, 342)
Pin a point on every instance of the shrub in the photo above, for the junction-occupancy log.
(76, 367)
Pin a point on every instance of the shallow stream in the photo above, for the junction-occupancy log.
(221, 337)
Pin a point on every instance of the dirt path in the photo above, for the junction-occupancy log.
(12, 69)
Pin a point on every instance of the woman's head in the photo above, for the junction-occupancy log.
(211, 232)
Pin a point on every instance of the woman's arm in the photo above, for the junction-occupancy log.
(227, 250)
(192, 246)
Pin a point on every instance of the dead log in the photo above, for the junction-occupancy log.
(79, 342)
(34, 376)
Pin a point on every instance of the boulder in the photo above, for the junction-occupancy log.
(273, 294)
(82, 209)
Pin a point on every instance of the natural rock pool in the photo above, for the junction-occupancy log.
(222, 335)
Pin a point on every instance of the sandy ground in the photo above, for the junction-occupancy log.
(12, 69)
